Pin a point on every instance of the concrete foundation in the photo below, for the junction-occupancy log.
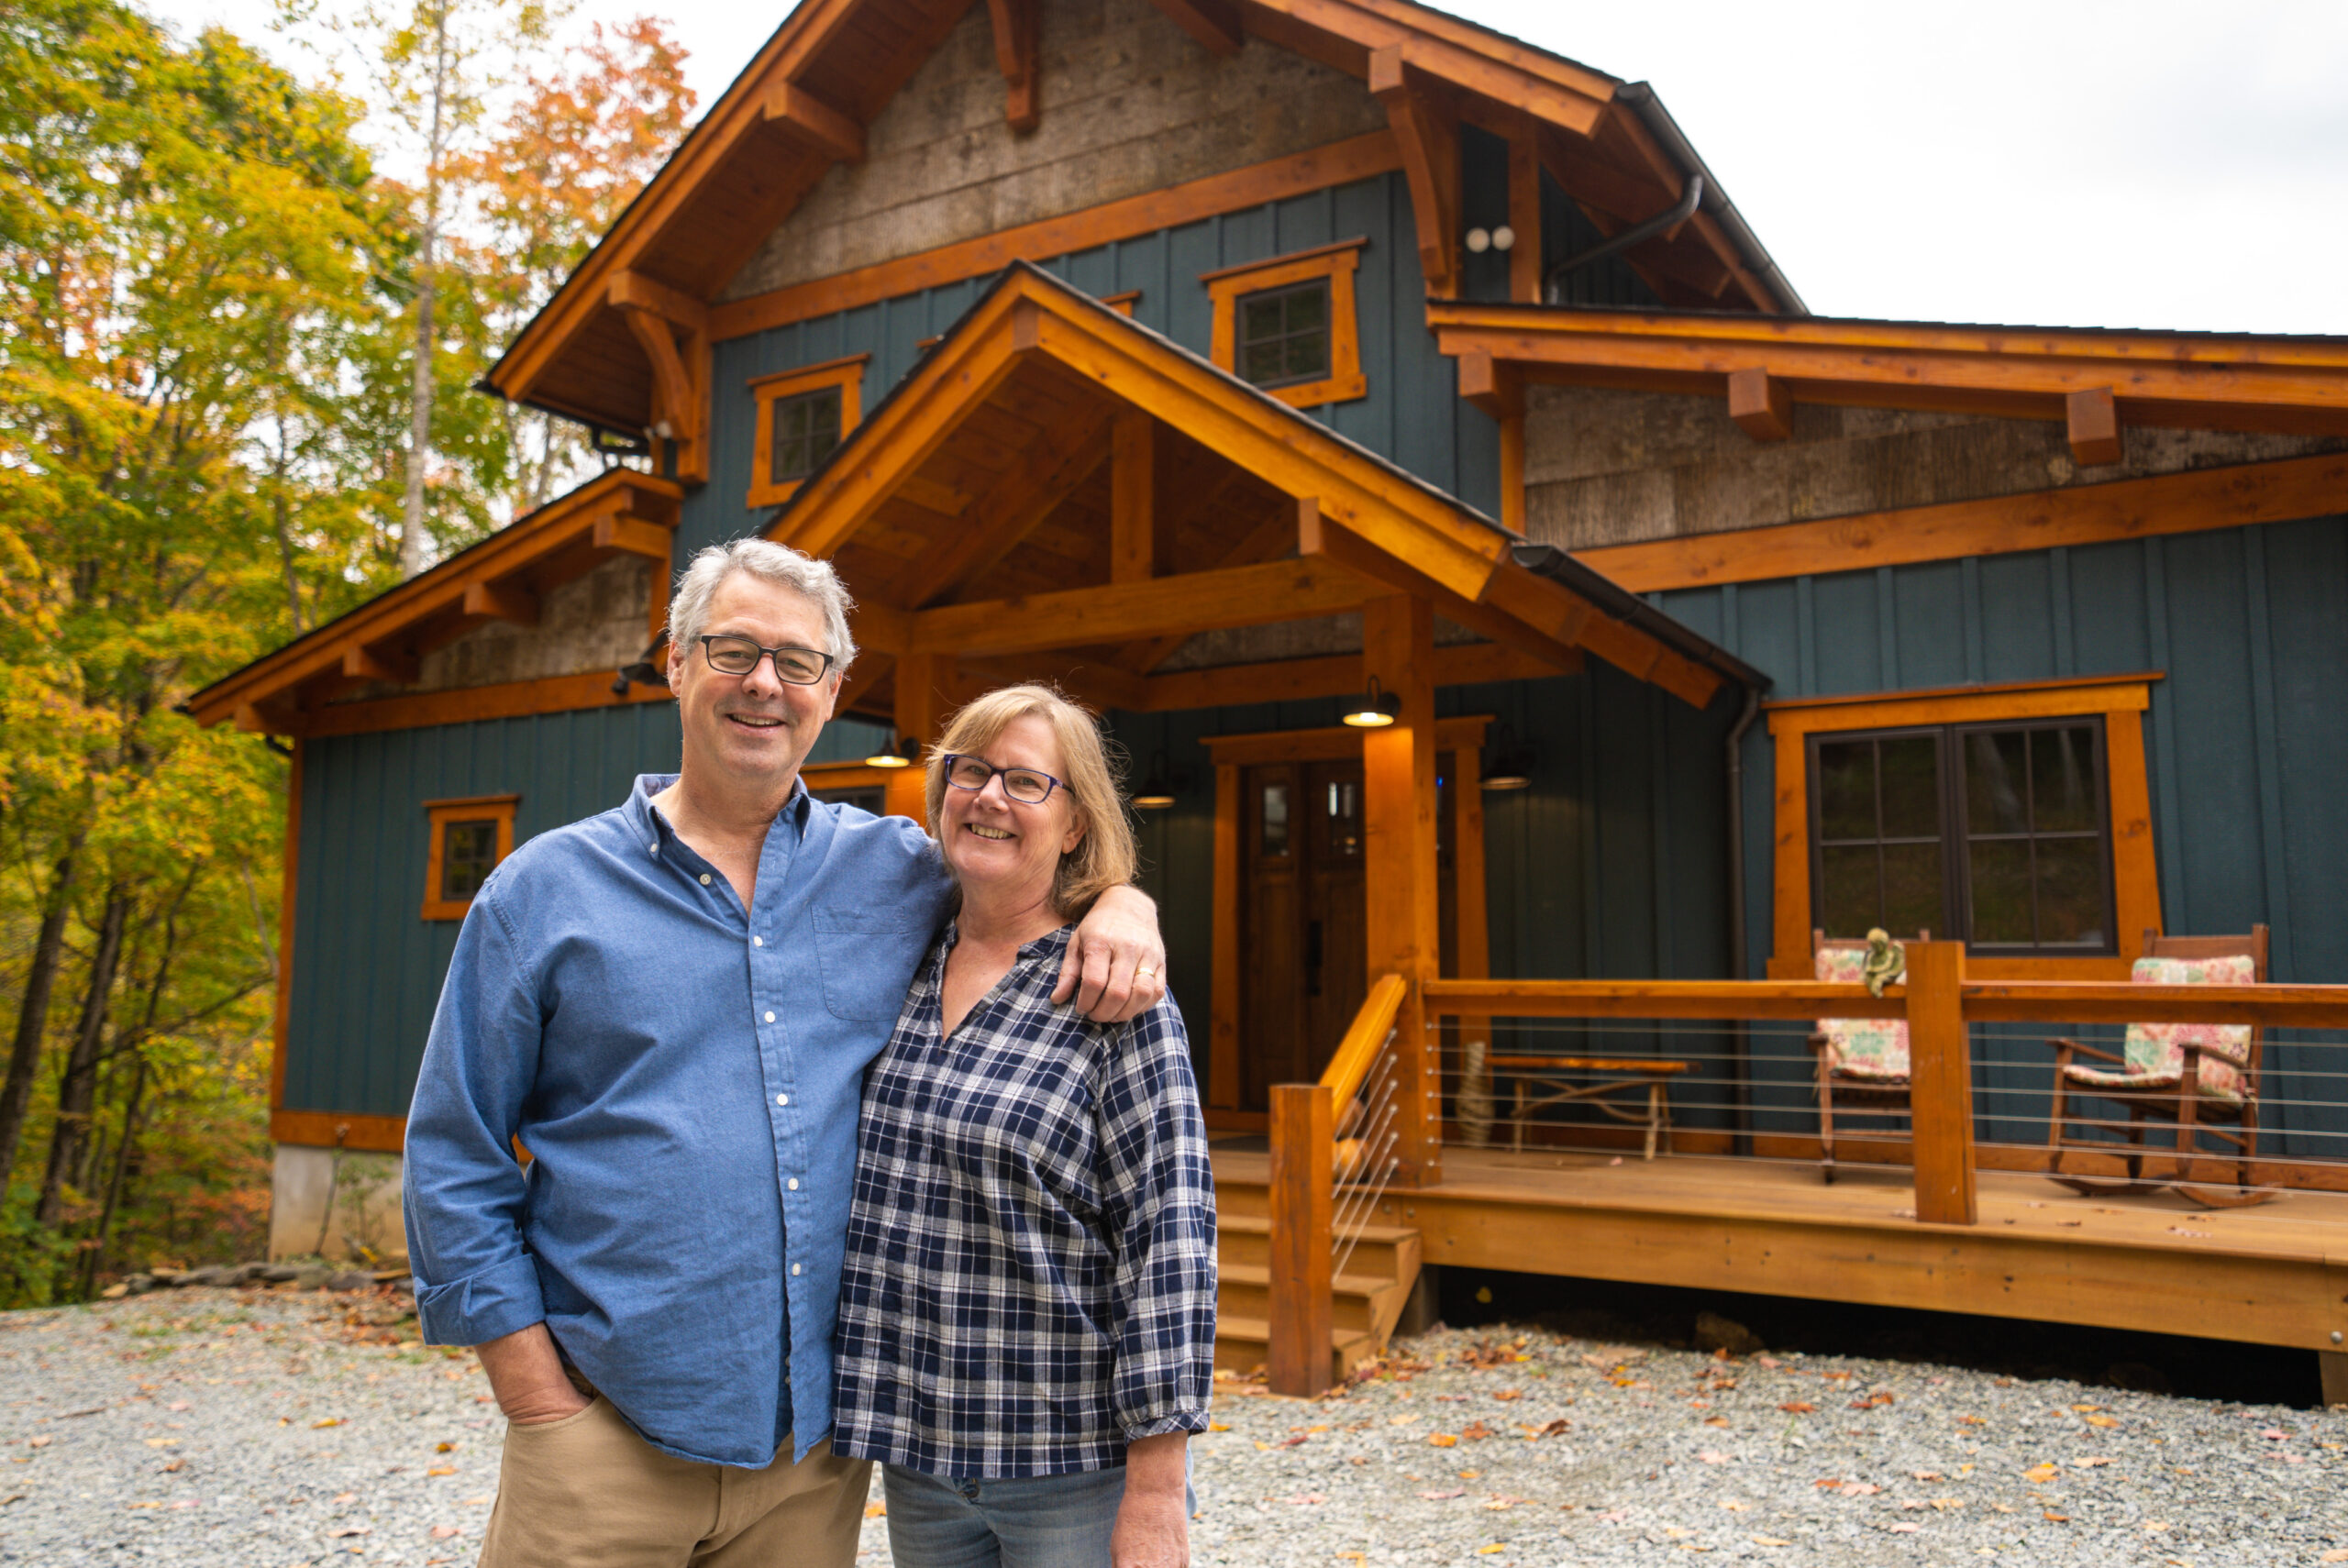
(341, 1204)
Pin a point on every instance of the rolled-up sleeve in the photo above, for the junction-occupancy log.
(1158, 1189)
(462, 1189)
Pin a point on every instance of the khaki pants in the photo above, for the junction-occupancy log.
(586, 1492)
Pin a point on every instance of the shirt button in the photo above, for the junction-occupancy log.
(769, 1017)
(782, 1099)
(793, 1184)
(758, 942)
(704, 878)
(794, 1268)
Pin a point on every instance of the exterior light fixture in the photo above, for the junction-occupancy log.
(898, 753)
(1507, 765)
(1157, 792)
(1374, 709)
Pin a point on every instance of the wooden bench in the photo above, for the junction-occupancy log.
(1620, 1073)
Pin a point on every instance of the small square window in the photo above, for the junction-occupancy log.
(468, 855)
(1284, 335)
(467, 838)
(806, 429)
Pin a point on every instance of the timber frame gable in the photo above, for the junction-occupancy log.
(623, 345)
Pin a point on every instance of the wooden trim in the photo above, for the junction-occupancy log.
(1225, 1121)
(339, 1129)
(1214, 25)
(1940, 1106)
(847, 374)
(2118, 701)
(1124, 304)
(1233, 596)
(1524, 213)
(289, 883)
(848, 776)
(2278, 491)
(2290, 385)
(1336, 263)
(1339, 163)
(438, 814)
(1338, 742)
(1334, 675)
(1426, 128)
(1229, 912)
(468, 704)
(1018, 31)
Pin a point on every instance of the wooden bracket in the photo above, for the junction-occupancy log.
(632, 535)
(2094, 420)
(1495, 388)
(656, 313)
(1137, 546)
(1018, 32)
(1761, 403)
(1427, 133)
(816, 122)
(513, 603)
(362, 663)
(1213, 23)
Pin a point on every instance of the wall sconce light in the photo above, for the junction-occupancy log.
(1507, 765)
(1374, 709)
(1159, 790)
(898, 753)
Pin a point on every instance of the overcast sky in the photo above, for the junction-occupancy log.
(2054, 162)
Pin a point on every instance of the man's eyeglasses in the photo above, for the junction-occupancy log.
(1028, 786)
(739, 655)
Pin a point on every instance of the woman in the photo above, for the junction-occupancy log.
(1027, 1334)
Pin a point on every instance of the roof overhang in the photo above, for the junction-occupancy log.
(594, 355)
(1348, 526)
(2197, 380)
(619, 513)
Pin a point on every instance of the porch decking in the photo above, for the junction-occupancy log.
(2273, 1275)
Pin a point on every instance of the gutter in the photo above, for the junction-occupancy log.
(1641, 97)
(1620, 603)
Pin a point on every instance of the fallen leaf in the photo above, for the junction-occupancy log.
(1262, 1447)
(1711, 1456)
(1441, 1439)
(2051, 1517)
(1444, 1497)
(479, 1502)
(1557, 1428)
(1770, 1540)
(42, 1441)
(2275, 1434)
(1925, 1475)
(326, 1421)
(1973, 1420)
(444, 1448)
(1292, 1442)
(1475, 1432)
(1307, 1500)
(1401, 1421)
(1736, 1507)
(2337, 1554)
(1470, 1474)
(2041, 1473)
(1912, 1504)
(1944, 1504)
(440, 1470)
(1510, 1393)
(354, 1529)
(162, 1443)
(2092, 1462)
(1217, 1426)
(1903, 1528)
(2102, 1421)
(2155, 1527)
(177, 1405)
(346, 1497)
(1799, 1407)
(446, 1533)
(1496, 1546)
(1716, 1420)
(1860, 1489)
(175, 1466)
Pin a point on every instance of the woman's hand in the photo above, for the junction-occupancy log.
(1115, 966)
(1153, 1529)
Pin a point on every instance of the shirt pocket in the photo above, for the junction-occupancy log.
(867, 959)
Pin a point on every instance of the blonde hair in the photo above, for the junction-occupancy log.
(1104, 857)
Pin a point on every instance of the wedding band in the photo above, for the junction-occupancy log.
(1139, 973)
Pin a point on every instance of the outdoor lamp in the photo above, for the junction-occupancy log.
(1156, 794)
(1374, 709)
(898, 753)
(1509, 766)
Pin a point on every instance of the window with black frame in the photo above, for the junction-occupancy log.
(806, 428)
(1283, 337)
(468, 855)
(2000, 832)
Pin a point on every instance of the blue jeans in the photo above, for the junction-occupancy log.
(1030, 1521)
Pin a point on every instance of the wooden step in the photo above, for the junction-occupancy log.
(1358, 1303)
(1380, 1251)
(1241, 1344)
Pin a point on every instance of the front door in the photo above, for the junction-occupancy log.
(1304, 937)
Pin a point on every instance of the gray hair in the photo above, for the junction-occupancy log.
(768, 562)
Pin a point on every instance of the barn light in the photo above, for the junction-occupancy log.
(898, 753)
(1374, 709)
(1507, 766)
(1157, 792)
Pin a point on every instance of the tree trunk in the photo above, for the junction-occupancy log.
(32, 1013)
(419, 430)
(78, 1094)
(94, 1262)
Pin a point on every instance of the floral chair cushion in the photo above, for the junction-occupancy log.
(2157, 1051)
(1874, 1049)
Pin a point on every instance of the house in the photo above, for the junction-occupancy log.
(1241, 364)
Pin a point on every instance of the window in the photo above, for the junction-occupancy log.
(1290, 327)
(2016, 819)
(468, 838)
(803, 416)
(1998, 834)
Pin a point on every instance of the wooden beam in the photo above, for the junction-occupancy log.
(1492, 387)
(1458, 54)
(637, 292)
(1224, 1074)
(1524, 215)
(680, 384)
(634, 536)
(1137, 546)
(1081, 617)
(2187, 503)
(1323, 538)
(1268, 540)
(2093, 427)
(502, 602)
(1017, 35)
(1426, 133)
(810, 120)
(1214, 24)
(1548, 607)
(1761, 404)
(922, 705)
(1941, 1080)
(1047, 474)
(361, 662)
(1403, 928)
(1297, 1361)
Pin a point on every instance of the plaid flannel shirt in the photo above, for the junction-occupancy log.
(1030, 1280)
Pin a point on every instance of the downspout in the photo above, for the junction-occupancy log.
(1680, 212)
(1640, 96)
(1740, 1044)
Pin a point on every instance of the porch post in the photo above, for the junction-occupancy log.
(920, 705)
(1399, 866)
(1939, 1083)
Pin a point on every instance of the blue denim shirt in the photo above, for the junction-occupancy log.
(685, 1076)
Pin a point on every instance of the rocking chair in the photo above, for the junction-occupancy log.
(1862, 1060)
(2199, 1078)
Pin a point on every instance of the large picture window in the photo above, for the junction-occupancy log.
(1998, 832)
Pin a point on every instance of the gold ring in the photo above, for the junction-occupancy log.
(1138, 973)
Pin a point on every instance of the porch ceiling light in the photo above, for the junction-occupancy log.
(1157, 791)
(1508, 765)
(898, 753)
(1374, 709)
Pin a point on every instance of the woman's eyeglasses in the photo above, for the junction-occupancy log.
(739, 655)
(1028, 786)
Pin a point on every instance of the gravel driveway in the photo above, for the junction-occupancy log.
(266, 1430)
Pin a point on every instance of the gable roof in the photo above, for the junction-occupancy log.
(802, 101)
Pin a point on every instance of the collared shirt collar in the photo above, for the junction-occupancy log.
(646, 825)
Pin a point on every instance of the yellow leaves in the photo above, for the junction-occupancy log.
(1769, 1541)
(440, 1470)
(1488, 1551)
(1440, 1439)
(2051, 1517)
(1401, 1421)
(162, 1443)
(2102, 1421)
(874, 1510)
(324, 1421)
(2041, 1473)
(444, 1448)
(1218, 1427)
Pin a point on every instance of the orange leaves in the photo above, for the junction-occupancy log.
(1443, 1440)
(1799, 1407)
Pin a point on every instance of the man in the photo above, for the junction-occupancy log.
(670, 1006)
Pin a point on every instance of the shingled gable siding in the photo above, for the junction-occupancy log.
(367, 969)
(2245, 740)
(1412, 414)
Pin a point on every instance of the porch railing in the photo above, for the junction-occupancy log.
(1945, 1013)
